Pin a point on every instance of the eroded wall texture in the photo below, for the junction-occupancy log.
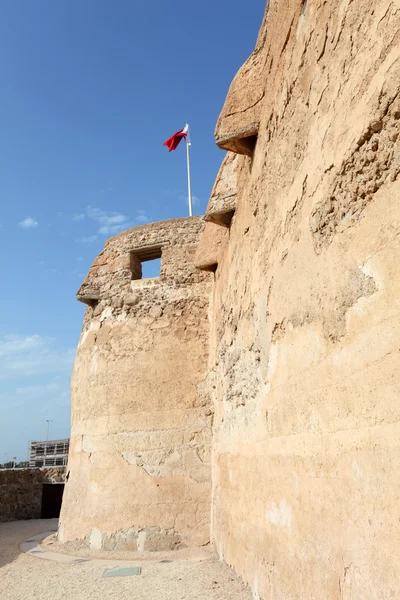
(298, 375)
(139, 464)
(306, 307)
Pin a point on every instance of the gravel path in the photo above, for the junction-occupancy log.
(25, 577)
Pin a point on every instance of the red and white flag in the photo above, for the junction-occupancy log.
(173, 142)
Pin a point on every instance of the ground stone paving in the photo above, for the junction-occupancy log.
(25, 576)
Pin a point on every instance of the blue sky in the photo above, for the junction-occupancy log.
(90, 91)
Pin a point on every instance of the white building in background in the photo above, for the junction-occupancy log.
(51, 453)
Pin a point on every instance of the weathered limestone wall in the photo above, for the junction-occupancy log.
(306, 309)
(21, 491)
(139, 463)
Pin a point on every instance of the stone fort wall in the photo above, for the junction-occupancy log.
(139, 464)
(291, 322)
(304, 353)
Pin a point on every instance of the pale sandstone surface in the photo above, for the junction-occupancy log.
(212, 243)
(239, 120)
(24, 577)
(223, 195)
(220, 210)
(302, 358)
(139, 465)
(305, 356)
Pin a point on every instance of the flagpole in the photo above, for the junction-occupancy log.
(188, 144)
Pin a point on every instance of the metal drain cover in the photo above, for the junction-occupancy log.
(128, 572)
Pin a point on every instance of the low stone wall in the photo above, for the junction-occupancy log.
(21, 491)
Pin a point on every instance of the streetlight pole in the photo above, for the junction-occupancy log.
(47, 439)
(48, 426)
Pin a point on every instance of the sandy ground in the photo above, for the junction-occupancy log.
(24, 577)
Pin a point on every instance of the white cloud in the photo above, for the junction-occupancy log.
(108, 230)
(35, 378)
(195, 200)
(52, 387)
(77, 273)
(141, 216)
(87, 239)
(106, 217)
(27, 356)
(28, 223)
(110, 222)
(185, 199)
(25, 407)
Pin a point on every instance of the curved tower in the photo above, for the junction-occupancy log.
(139, 470)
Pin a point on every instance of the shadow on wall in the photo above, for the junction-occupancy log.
(52, 494)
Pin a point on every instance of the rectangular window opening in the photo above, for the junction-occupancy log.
(145, 262)
(151, 268)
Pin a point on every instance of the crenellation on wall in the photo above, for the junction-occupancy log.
(111, 275)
